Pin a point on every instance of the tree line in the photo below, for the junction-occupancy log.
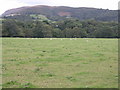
(68, 28)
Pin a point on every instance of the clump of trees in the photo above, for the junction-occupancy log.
(68, 28)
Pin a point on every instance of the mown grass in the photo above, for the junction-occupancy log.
(60, 63)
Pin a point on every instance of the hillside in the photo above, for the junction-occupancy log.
(56, 13)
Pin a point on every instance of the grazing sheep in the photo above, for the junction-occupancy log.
(75, 39)
(50, 38)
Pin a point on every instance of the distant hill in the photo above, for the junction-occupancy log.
(56, 13)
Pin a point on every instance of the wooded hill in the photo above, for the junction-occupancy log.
(56, 13)
(60, 22)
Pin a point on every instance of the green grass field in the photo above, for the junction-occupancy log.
(59, 63)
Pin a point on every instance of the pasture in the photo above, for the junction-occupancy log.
(59, 63)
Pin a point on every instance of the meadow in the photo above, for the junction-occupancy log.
(59, 63)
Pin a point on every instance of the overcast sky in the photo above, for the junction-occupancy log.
(105, 4)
